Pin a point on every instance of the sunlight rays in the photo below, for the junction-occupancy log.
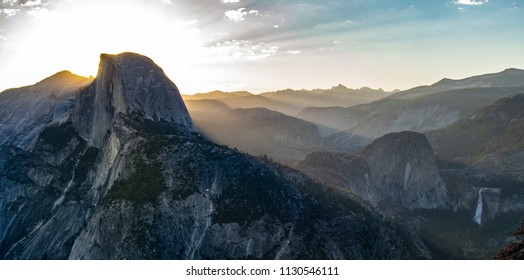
(73, 35)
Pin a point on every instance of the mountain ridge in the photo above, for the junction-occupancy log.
(48, 100)
(488, 138)
(510, 77)
(419, 109)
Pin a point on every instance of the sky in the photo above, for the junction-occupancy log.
(265, 45)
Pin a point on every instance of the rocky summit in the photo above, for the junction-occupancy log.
(396, 171)
(404, 171)
(122, 174)
(127, 84)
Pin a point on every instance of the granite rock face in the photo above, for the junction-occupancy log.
(396, 170)
(404, 171)
(127, 84)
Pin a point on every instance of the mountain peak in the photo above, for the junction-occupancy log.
(513, 71)
(510, 77)
(65, 74)
(340, 87)
(63, 79)
(128, 84)
(127, 58)
(405, 171)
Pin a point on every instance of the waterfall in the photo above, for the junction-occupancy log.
(478, 212)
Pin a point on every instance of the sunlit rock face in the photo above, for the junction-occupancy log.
(127, 84)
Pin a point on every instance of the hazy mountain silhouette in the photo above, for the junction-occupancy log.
(419, 109)
(290, 102)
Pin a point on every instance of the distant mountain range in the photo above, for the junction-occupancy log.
(419, 109)
(346, 129)
(290, 101)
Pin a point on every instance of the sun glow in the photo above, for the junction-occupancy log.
(73, 34)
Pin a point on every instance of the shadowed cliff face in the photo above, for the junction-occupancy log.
(404, 171)
(396, 171)
(127, 84)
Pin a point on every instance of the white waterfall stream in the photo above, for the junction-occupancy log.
(478, 211)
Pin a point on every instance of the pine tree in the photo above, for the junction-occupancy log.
(514, 251)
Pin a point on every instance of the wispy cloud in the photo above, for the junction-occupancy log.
(9, 12)
(235, 50)
(9, 8)
(471, 2)
(31, 3)
(230, 1)
(22, 3)
(236, 15)
(240, 14)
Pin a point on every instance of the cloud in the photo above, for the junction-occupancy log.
(22, 3)
(9, 8)
(9, 12)
(471, 2)
(230, 1)
(236, 15)
(240, 14)
(31, 3)
(235, 50)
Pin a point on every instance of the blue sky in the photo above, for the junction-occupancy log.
(262, 45)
